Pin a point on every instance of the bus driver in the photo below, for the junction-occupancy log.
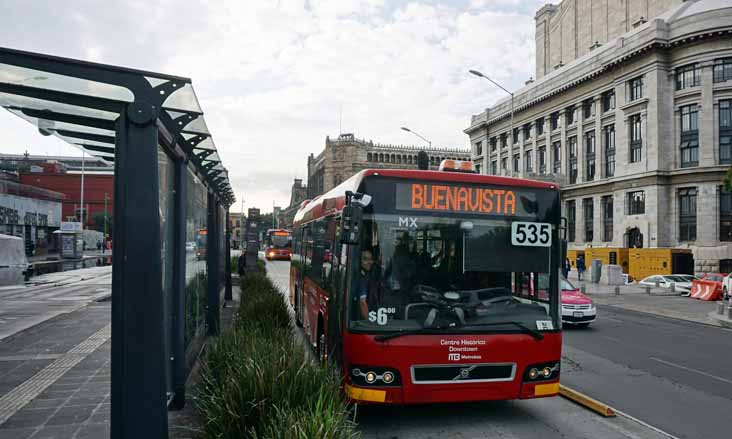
(368, 284)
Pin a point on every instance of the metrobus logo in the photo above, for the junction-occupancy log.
(453, 357)
(463, 199)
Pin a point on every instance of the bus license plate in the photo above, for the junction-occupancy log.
(578, 314)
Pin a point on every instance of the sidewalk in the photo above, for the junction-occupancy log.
(659, 302)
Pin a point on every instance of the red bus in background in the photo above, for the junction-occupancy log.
(201, 240)
(418, 285)
(278, 244)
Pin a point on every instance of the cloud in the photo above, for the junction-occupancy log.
(274, 77)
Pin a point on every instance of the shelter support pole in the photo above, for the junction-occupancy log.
(138, 350)
(179, 287)
(212, 266)
(227, 261)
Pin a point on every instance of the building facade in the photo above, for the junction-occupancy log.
(637, 133)
(346, 155)
(298, 194)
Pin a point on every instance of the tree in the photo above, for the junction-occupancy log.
(98, 221)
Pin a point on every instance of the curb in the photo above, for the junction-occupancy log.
(586, 401)
(721, 321)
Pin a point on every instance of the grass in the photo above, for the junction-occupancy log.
(257, 382)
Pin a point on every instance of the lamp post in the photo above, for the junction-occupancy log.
(417, 134)
(104, 238)
(480, 75)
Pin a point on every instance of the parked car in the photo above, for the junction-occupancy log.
(577, 308)
(727, 286)
(628, 279)
(681, 283)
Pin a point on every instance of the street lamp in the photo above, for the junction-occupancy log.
(417, 134)
(477, 73)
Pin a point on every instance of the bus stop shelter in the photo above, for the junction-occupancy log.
(170, 186)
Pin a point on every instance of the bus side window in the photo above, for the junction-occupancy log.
(307, 250)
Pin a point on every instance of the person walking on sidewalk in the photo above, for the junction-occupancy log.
(566, 268)
(580, 266)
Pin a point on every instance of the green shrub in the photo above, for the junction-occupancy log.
(256, 381)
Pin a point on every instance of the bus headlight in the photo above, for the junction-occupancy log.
(375, 376)
(542, 372)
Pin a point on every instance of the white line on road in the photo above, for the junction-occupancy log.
(617, 340)
(668, 363)
(645, 424)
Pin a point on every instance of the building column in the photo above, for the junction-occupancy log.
(521, 151)
(562, 140)
(707, 150)
(581, 171)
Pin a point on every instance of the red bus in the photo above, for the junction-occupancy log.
(423, 286)
(278, 244)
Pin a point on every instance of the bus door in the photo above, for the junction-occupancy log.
(300, 281)
(336, 292)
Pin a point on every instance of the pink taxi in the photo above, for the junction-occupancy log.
(577, 308)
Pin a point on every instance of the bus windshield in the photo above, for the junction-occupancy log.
(280, 239)
(433, 272)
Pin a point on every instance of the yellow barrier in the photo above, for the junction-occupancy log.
(585, 401)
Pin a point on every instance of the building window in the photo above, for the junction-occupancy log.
(590, 156)
(571, 220)
(725, 132)
(554, 121)
(722, 69)
(557, 157)
(571, 115)
(516, 162)
(494, 141)
(725, 216)
(635, 88)
(515, 135)
(588, 213)
(689, 136)
(479, 147)
(636, 203)
(503, 140)
(588, 108)
(542, 160)
(607, 218)
(572, 142)
(527, 131)
(494, 167)
(368, 157)
(609, 150)
(539, 126)
(504, 164)
(687, 214)
(688, 76)
(636, 139)
(477, 168)
(608, 101)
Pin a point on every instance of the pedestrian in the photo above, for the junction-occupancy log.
(580, 266)
(565, 268)
(99, 245)
(242, 263)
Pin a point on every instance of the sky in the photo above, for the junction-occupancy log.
(275, 77)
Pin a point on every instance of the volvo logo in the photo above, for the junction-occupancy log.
(464, 373)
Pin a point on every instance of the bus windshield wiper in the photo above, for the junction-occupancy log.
(532, 332)
(426, 330)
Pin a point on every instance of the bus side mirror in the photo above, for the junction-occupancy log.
(351, 219)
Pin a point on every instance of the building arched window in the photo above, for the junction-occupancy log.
(368, 157)
(381, 158)
(399, 159)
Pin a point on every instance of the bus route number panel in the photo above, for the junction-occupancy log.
(528, 234)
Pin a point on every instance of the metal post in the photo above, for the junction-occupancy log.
(228, 295)
(138, 350)
(179, 287)
(82, 190)
(104, 237)
(510, 148)
(212, 266)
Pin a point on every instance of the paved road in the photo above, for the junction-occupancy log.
(22, 307)
(671, 373)
(541, 418)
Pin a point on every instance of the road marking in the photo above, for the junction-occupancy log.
(645, 424)
(617, 340)
(668, 363)
(14, 400)
(612, 319)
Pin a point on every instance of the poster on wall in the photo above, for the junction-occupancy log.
(67, 245)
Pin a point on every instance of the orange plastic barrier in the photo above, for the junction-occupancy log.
(706, 290)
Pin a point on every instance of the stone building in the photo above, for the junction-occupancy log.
(298, 194)
(346, 155)
(636, 131)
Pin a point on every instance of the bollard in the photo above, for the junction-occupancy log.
(673, 287)
(583, 288)
(720, 308)
(648, 290)
(617, 290)
(729, 312)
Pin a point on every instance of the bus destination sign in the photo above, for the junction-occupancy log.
(486, 200)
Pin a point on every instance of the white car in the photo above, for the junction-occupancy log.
(727, 286)
(682, 283)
